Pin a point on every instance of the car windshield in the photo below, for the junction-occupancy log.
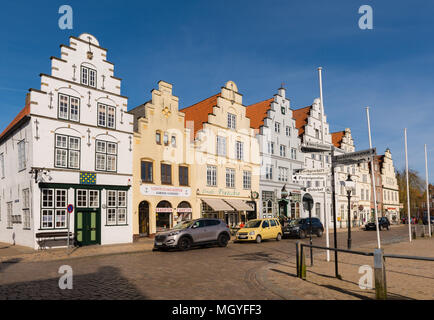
(253, 224)
(183, 225)
(295, 222)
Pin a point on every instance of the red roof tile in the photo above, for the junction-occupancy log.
(199, 112)
(337, 138)
(258, 112)
(23, 113)
(301, 116)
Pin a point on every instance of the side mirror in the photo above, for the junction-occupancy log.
(194, 226)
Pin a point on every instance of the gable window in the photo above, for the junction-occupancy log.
(247, 179)
(53, 210)
(183, 176)
(158, 137)
(106, 116)
(2, 165)
(21, 155)
(116, 207)
(211, 176)
(146, 171)
(166, 173)
(232, 121)
(106, 154)
(173, 141)
(88, 76)
(283, 110)
(230, 178)
(282, 150)
(67, 152)
(277, 127)
(240, 150)
(221, 146)
(69, 107)
(288, 131)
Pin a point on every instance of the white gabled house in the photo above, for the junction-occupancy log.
(279, 145)
(70, 145)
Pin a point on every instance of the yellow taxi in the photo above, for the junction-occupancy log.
(260, 229)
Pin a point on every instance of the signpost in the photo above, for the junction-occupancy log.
(354, 157)
(70, 210)
(308, 205)
(315, 147)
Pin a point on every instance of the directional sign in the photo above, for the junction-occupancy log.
(354, 157)
(315, 147)
(314, 171)
(307, 178)
(313, 189)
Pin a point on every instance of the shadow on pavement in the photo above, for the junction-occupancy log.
(257, 256)
(7, 263)
(106, 283)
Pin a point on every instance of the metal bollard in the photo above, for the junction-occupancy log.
(302, 264)
(380, 275)
(297, 257)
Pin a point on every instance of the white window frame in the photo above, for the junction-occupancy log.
(68, 112)
(221, 146)
(211, 176)
(106, 155)
(247, 180)
(232, 121)
(239, 146)
(116, 208)
(230, 178)
(277, 127)
(103, 114)
(88, 76)
(21, 155)
(66, 151)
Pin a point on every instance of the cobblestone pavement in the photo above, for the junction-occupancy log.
(235, 272)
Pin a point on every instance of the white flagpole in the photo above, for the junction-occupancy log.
(373, 181)
(428, 213)
(408, 189)
(326, 216)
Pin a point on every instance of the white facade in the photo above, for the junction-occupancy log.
(280, 156)
(390, 188)
(78, 140)
(364, 191)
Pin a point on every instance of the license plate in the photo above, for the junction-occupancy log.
(242, 237)
(287, 232)
(158, 243)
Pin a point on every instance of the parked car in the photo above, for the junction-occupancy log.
(193, 233)
(425, 220)
(260, 229)
(383, 223)
(301, 228)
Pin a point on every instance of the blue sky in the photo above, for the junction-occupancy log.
(199, 45)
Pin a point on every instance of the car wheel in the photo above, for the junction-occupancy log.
(302, 234)
(184, 243)
(258, 239)
(279, 237)
(223, 240)
(319, 233)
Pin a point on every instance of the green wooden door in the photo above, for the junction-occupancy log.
(87, 227)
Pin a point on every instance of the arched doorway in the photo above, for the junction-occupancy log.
(163, 215)
(144, 218)
(184, 211)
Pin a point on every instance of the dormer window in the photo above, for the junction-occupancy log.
(88, 77)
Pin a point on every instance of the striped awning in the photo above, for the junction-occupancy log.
(238, 204)
(217, 204)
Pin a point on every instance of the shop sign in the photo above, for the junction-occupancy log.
(220, 192)
(150, 190)
(184, 210)
(163, 209)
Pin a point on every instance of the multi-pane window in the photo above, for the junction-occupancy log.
(282, 150)
(9, 214)
(106, 156)
(2, 165)
(69, 107)
(211, 176)
(116, 207)
(230, 178)
(67, 152)
(293, 153)
(277, 127)
(88, 76)
(288, 131)
(183, 176)
(106, 116)
(87, 198)
(240, 150)
(269, 172)
(26, 208)
(21, 155)
(147, 171)
(283, 174)
(221, 146)
(271, 147)
(232, 121)
(53, 211)
(166, 173)
(247, 179)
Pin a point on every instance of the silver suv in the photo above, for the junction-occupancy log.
(192, 233)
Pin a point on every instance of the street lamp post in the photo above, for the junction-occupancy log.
(349, 186)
